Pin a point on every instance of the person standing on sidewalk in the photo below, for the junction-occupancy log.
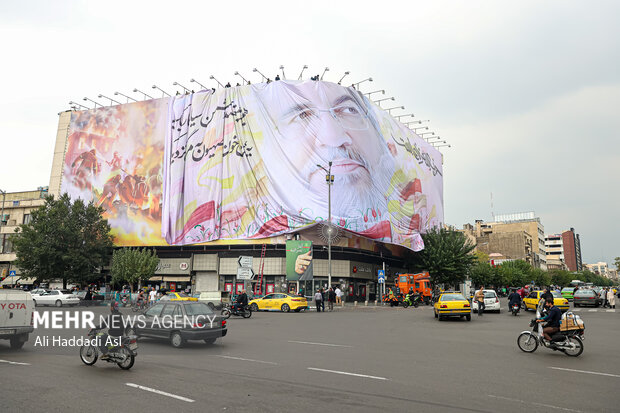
(479, 297)
(331, 298)
(318, 299)
(338, 296)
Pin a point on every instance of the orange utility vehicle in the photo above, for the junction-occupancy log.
(420, 283)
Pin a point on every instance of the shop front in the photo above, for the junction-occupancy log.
(172, 274)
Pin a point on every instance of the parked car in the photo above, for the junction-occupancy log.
(172, 320)
(491, 302)
(586, 297)
(57, 298)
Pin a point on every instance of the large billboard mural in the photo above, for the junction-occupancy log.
(246, 163)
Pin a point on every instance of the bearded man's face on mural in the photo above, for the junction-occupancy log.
(318, 122)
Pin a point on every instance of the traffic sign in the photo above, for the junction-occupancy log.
(381, 274)
(245, 261)
(244, 273)
(12, 273)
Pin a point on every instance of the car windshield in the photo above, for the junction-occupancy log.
(584, 293)
(197, 308)
(489, 294)
(567, 290)
(452, 297)
(556, 294)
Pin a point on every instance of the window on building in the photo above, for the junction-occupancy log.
(6, 246)
(27, 218)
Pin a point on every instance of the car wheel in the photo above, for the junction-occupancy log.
(254, 307)
(468, 317)
(176, 340)
(297, 310)
(211, 306)
(285, 308)
(210, 340)
(58, 303)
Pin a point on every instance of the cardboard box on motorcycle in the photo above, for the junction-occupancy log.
(571, 322)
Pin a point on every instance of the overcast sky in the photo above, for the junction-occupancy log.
(526, 92)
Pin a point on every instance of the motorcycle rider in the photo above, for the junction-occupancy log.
(114, 324)
(553, 317)
(140, 299)
(242, 301)
(514, 298)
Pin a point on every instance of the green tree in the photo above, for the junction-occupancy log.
(515, 273)
(560, 277)
(446, 256)
(133, 265)
(617, 263)
(481, 273)
(64, 240)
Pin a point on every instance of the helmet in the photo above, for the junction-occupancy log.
(114, 306)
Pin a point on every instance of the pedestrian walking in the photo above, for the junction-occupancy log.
(331, 298)
(324, 298)
(611, 298)
(318, 299)
(603, 296)
(480, 300)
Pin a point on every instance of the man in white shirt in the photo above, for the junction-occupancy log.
(152, 296)
(338, 295)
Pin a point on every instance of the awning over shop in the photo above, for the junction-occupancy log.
(170, 278)
(11, 280)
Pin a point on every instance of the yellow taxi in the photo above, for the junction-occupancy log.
(279, 302)
(531, 301)
(178, 297)
(452, 304)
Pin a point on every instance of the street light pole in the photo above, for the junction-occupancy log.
(330, 181)
(329, 178)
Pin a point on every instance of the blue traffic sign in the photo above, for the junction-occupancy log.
(381, 274)
(12, 273)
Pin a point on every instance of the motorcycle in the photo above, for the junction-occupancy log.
(139, 306)
(125, 300)
(569, 343)
(515, 308)
(412, 300)
(240, 311)
(124, 355)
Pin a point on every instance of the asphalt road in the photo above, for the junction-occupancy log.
(364, 359)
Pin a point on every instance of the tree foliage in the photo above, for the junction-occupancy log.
(446, 256)
(133, 265)
(64, 240)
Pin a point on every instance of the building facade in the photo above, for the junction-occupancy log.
(555, 252)
(572, 250)
(15, 210)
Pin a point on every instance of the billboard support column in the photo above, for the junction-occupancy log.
(330, 181)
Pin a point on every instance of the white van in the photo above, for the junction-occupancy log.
(16, 316)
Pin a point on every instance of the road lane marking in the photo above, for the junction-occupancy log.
(14, 362)
(611, 311)
(535, 404)
(163, 393)
(319, 344)
(348, 374)
(585, 371)
(242, 359)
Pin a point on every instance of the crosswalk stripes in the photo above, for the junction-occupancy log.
(594, 310)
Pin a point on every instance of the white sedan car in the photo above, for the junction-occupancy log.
(491, 302)
(56, 297)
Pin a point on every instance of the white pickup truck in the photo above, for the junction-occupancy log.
(16, 316)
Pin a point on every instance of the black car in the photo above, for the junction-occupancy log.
(586, 297)
(179, 321)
